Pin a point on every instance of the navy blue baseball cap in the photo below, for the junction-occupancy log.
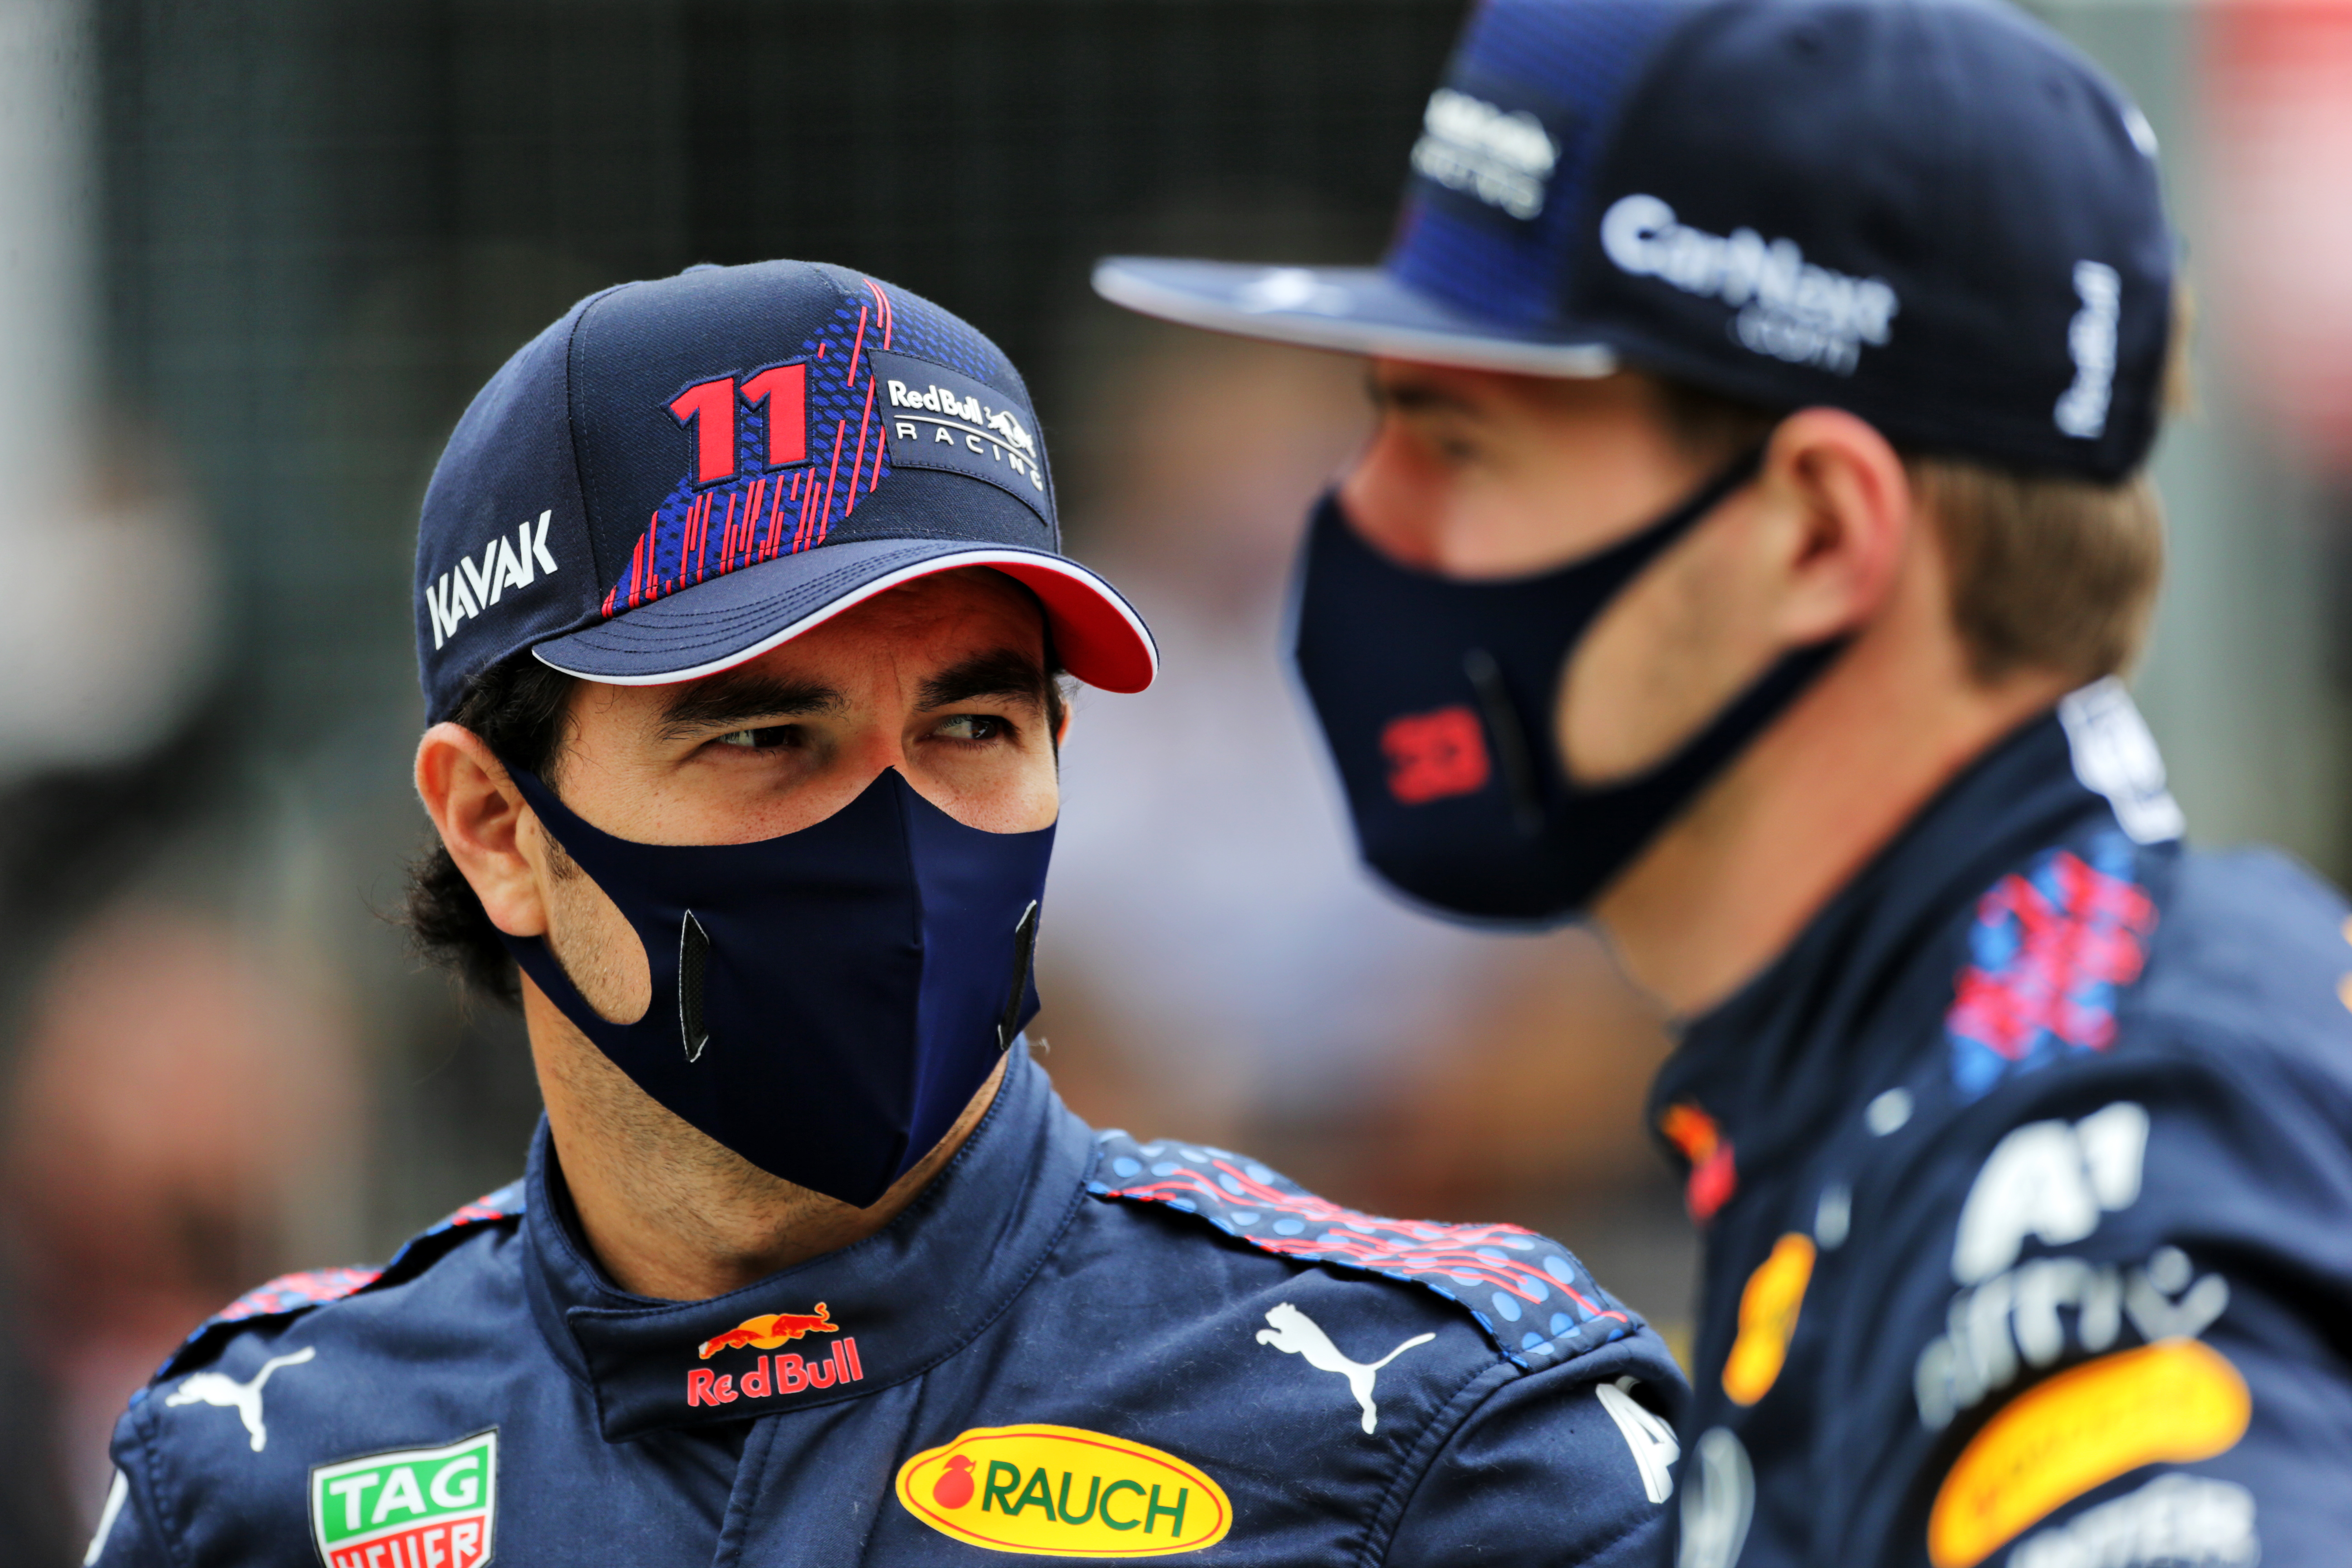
(1934, 214)
(681, 473)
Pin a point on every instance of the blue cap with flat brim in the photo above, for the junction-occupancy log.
(1934, 214)
(682, 474)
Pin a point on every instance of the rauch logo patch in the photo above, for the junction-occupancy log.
(412, 1508)
(1062, 1491)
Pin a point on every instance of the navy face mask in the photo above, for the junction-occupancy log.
(825, 1003)
(1437, 696)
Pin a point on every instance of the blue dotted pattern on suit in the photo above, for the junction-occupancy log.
(1530, 1295)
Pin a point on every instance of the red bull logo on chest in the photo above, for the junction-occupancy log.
(773, 1376)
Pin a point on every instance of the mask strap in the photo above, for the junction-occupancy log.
(536, 957)
(1614, 567)
(1611, 570)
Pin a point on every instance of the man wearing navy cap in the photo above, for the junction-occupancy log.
(1755, 527)
(741, 609)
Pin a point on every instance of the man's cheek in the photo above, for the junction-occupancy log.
(599, 949)
(1623, 701)
(1666, 656)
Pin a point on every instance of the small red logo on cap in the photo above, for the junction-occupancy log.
(1433, 756)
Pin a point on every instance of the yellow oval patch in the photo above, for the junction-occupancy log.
(1061, 1491)
(2171, 1402)
(1768, 1316)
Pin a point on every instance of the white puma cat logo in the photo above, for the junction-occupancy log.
(1295, 1333)
(245, 1398)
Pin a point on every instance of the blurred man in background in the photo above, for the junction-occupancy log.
(1420, 1069)
(752, 774)
(1755, 524)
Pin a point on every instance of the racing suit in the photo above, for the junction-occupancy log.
(1071, 1345)
(2026, 1180)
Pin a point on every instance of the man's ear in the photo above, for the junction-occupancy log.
(1843, 487)
(479, 814)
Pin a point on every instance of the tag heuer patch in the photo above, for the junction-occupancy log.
(408, 1507)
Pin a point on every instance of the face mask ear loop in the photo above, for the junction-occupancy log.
(1623, 562)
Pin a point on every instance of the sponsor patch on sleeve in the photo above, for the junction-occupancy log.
(1063, 1491)
(2172, 1401)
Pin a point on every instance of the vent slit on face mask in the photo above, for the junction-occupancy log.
(1024, 953)
(1512, 753)
(693, 958)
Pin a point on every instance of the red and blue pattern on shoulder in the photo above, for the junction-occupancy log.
(292, 1293)
(2051, 949)
(1529, 1293)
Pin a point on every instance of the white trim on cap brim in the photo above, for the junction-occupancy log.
(1026, 559)
(1146, 296)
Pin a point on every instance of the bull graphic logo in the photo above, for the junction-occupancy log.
(770, 1330)
(1295, 1333)
(1008, 429)
(245, 1398)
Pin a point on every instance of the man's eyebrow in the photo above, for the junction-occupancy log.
(1414, 397)
(734, 698)
(1003, 673)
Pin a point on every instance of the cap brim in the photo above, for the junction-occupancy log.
(725, 621)
(1356, 310)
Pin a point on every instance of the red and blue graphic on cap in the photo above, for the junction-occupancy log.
(2051, 946)
(780, 454)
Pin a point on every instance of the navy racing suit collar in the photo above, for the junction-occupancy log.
(1763, 1078)
(840, 1326)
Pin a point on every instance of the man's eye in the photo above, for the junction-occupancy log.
(972, 727)
(759, 740)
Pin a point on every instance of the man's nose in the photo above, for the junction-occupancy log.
(1391, 502)
(875, 747)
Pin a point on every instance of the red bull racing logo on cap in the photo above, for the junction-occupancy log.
(939, 418)
(770, 1377)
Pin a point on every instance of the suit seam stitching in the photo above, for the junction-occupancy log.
(731, 1552)
(159, 1485)
(1380, 1531)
